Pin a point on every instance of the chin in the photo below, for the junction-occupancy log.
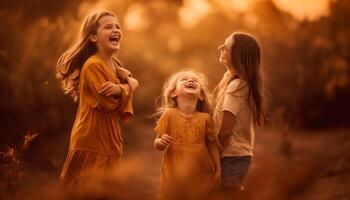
(115, 48)
(222, 63)
(195, 93)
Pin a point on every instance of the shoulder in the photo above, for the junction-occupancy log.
(167, 113)
(233, 85)
(93, 63)
(170, 111)
(236, 86)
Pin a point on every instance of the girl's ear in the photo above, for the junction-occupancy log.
(173, 94)
(93, 38)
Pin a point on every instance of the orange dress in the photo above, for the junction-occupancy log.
(96, 141)
(187, 168)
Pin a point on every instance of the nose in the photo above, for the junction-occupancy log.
(116, 30)
(191, 80)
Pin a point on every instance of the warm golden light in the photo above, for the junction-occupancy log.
(136, 18)
(304, 9)
(193, 11)
(305, 51)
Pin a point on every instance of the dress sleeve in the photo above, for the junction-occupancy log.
(162, 126)
(127, 111)
(233, 98)
(93, 77)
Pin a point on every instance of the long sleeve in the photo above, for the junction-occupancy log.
(162, 125)
(92, 77)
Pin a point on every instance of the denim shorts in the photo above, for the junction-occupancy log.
(234, 170)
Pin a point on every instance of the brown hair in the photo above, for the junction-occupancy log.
(70, 63)
(245, 59)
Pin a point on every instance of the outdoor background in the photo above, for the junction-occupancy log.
(302, 153)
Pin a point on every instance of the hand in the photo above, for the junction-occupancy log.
(163, 141)
(123, 73)
(133, 83)
(109, 89)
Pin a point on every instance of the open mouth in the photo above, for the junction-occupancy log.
(115, 38)
(190, 86)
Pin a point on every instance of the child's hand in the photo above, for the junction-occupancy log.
(165, 139)
(123, 73)
(163, 142)
(109, 89)
(133, 83)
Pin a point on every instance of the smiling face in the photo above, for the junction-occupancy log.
(225, 52)
(188, 84)
(108, 35)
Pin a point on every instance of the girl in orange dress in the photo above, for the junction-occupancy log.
(90, 72)
(190, 167)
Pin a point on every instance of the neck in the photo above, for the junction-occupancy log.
(105, 56)
(231, 71)
(187, 105)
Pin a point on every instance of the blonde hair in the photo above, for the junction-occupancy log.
(70, 63)
(165, 101)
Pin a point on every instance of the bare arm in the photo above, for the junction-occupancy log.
(228, 122)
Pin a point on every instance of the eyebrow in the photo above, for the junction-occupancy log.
(192, 77)
(112, 24)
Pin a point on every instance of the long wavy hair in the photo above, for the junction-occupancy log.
(165, 101)
(245, 59)
(70, 63)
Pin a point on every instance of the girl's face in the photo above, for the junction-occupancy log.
(108, 34)
(225, 52)
(188, 84)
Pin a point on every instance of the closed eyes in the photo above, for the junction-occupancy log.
(110, 26)
(187, 79)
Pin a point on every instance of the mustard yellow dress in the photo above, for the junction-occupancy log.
(96, 141)
(187, 170)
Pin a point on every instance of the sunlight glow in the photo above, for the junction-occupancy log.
(193, 11)
(136, 18)
(304, 9)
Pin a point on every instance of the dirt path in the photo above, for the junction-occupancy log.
(286, 165)
(294, 165)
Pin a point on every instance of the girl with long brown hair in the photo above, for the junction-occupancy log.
(90, 72)
(239, 105)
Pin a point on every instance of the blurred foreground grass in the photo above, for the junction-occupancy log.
(287, 165)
